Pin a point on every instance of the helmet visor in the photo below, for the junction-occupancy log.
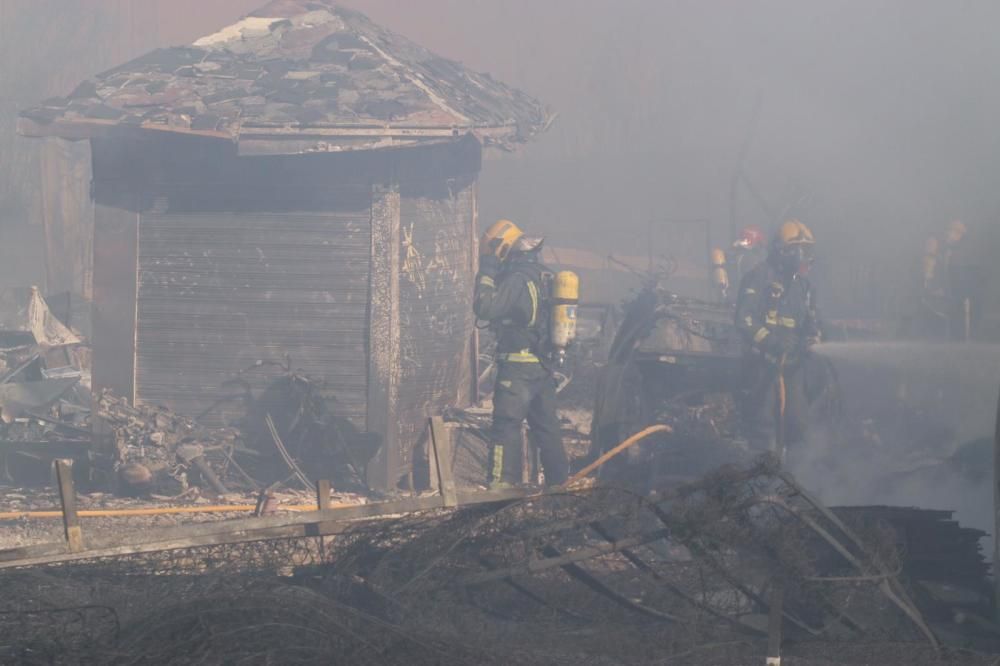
(528, 243)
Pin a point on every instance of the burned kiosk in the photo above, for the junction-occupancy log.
(302, 182)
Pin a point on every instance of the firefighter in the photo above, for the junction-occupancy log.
(778, 321)
(512, 296)
(952, 286)
(729, 266)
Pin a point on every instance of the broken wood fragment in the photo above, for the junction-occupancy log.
(67, 500)
(440, 444)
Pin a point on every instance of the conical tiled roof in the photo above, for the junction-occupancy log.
(309, 73)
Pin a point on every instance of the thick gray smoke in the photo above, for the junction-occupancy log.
(926, 413)
(875, 122)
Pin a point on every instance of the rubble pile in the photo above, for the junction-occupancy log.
(147, 450)
(156, 449)
(44, 388)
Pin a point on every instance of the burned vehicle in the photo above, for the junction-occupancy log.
(677, 361)
(673, 360)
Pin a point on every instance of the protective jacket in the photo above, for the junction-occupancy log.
(515, 303)
(776, 316)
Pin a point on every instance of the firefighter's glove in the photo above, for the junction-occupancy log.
(489, 264)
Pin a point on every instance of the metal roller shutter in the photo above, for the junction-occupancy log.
(219, 291)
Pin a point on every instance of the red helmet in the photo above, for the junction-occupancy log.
(750, 237)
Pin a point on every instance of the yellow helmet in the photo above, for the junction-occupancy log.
(956, 231)
(506, 231)
(793, 232)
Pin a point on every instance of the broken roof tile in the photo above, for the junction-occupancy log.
(303, 63)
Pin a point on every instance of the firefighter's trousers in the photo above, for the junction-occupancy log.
(761, 405)
(525, 391)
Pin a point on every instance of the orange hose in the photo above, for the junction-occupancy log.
(156, 511)
(779, 430)
(637, 437)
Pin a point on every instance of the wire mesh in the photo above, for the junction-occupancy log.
(602, 576)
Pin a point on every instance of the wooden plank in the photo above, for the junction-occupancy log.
(440, 440)
(434, 480)
(384, 327)
(323, 494)
(474, 396)
(67, 216)
(315, 523)
(286, 532)
(67, 500)
(116, 238)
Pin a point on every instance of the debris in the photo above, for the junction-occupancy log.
(16, 398)
(157, 451)
(25, 319)
(284, 454)
(294, 424)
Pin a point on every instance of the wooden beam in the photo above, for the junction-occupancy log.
(474, 396)
(316, 523)
(384, 329)
(67, 501)
(93, 128)
(116, 256)
(440, 443)
(323, 495)
(67, 215)
(433, 480)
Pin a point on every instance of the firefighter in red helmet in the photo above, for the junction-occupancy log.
(729, 266)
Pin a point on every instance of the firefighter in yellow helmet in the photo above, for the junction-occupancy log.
(777, 317)
(512, 296)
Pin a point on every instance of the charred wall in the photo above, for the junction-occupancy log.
(206, 262)
(436, 285)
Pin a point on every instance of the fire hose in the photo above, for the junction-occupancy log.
(634, 439)
(779, 430)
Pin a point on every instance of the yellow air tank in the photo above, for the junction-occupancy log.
(565, 298)
(720, 278)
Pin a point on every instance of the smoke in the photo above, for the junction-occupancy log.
(919, 430)
(875, 123)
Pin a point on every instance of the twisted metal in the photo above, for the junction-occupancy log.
(599, 576)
